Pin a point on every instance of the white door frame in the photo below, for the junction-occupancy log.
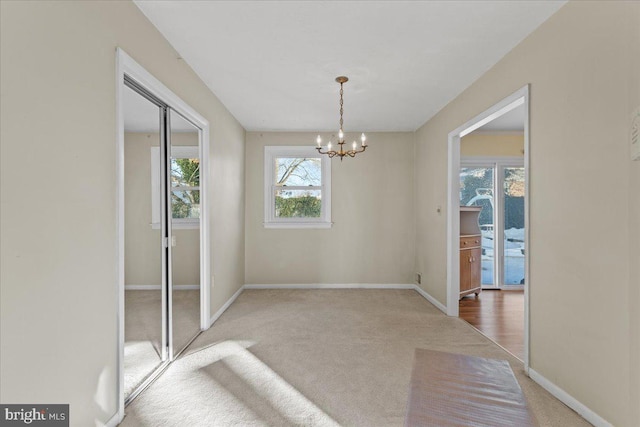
(125, 65)
(518, 98)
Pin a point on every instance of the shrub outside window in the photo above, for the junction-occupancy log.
(297, 188)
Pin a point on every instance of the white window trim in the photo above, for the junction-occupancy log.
(270, 220)
(489, 161)
(177, 152)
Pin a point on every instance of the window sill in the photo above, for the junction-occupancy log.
(300, 225)
(179, 225)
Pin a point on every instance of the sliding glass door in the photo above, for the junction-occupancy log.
(501, 220)
(513, 230)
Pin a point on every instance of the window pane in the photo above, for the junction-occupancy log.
(298, 203)
(185, 172)
(185, 203)
(298, 171)
(476, 189)
(513, 226)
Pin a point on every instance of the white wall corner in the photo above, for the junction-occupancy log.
(226, 305)
(569, 400)
(431, 299)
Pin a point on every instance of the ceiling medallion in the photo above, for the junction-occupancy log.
(341, 152)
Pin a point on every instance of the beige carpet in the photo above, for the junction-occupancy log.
(316, 357)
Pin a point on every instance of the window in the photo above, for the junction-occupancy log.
(297, 188)
(185, 187)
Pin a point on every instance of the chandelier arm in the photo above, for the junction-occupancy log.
(330, 153)
(361, 150)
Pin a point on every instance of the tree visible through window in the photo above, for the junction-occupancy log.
(297, 186)
(298, 172)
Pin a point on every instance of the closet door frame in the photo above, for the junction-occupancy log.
(127, 66)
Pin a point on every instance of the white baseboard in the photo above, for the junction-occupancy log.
(158, 287)
(114, 421)
(306, 286)
(226, 305)
(415, 287)
(569, 400)
(431, 299)
(329, 286)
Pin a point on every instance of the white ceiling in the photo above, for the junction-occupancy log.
(513, 121)
(273, 63)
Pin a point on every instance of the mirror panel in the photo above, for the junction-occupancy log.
(185, 231)
(143, 317)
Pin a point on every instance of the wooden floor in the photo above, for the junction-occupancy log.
(499, 315)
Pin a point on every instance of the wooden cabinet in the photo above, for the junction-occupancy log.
(470, 251)
(470, 268)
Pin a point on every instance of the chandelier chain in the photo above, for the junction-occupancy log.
(341, 103)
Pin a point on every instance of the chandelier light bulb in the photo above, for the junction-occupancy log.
(354, 146)
(363, 138)
(340, 134)
(319, 140)
(329, 146)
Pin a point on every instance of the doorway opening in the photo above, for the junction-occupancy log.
(163, 237)
(488, 224)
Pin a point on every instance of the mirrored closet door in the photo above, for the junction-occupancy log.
(162, 236)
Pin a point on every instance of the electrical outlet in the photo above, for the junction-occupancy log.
(418, 278)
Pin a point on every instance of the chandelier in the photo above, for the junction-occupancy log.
(340, 151)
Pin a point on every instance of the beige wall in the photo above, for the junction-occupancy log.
(583, 87)
(371, 240)
(492, 144)
(143, 256)
(58, 195)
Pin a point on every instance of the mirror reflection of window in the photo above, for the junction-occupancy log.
(185, 183)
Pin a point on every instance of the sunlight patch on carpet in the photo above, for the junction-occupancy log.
(282, 396)
(227, 383)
